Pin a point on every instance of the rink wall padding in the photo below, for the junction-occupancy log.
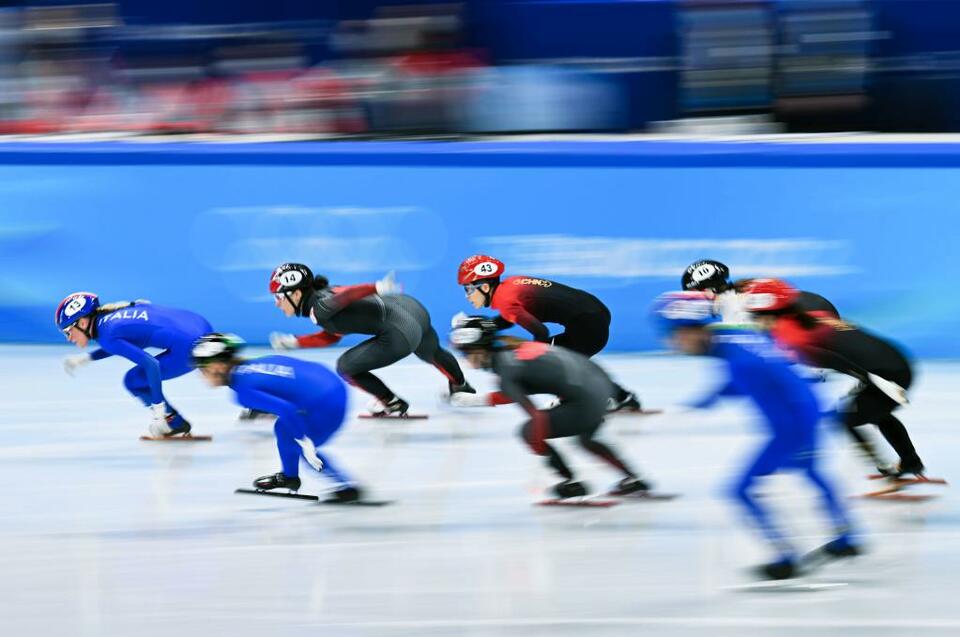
(874, 227)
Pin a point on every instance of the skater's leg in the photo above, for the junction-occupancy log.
(135, 381)
(173, 364)
(430, 351)
(325, 421)
(582, 418)
(288, 448)
(833, 504)
(896, 435)
(774, 455)
(375, 353)
(606, 454)
(540, 447)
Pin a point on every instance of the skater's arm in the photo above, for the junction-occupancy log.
(511, 392)
(502, 323)
(329, 304)
(529, 322)
(99, 354)
(728, 389)
(143, 360)
(289, 419)
(322, 338)
(840, 363)
(826, 359)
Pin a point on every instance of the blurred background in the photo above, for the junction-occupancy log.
(403, 67)
(179, 150)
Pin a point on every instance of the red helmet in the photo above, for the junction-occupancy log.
(769, 295)
(479, 267)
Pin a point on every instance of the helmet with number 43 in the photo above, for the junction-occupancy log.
(478, 268)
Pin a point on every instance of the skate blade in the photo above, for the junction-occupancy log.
(178, 438)
(358, 503)
(792, 585)
(635, 412)
(880, 476)
(640, 496)
(393, 417)
(897, 496)
(274, 494)
(578, 502)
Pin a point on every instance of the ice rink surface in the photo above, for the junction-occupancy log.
(105, 535)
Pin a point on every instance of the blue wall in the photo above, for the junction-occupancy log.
(873, 227)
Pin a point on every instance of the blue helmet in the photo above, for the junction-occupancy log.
(682, 309)
(75, 307)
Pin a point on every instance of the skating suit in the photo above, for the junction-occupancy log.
(536, 368)
(530, 302)
(127, 332)
(307, 398)
(399, 326)
(843, 347)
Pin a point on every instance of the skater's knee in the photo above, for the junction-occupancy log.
(586, 440)
(742, 489)
(134, 381)
(344, 368)
(529, 437)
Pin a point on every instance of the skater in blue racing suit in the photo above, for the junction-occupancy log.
(757, 369)
(126, 329)
(309, 400)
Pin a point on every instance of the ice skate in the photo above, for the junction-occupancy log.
(277, 481)
(265, 485)
(179, 430)
(396, 407)
(629, 403)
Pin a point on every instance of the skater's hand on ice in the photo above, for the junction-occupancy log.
(890, 388)
(388, 285)
(464, 399)
(72, 363)
(279, 340)
(159, 426)
(310, 453)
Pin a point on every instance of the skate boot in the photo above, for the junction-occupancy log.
(630, 402)
(396, 406)
(465, 388)
(887, 469)
(249, 415)
(570, 489)
(909, 467)
(178, 426)
(841, 547)
(345, 495)
(630, 485)
(779, 570)
(838, 548)
(277, 481)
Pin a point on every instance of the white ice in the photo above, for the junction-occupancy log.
(105, 535)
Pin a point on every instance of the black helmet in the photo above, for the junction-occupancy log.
(288, 277)
(706, 275)
(215, 348)
(473, 333)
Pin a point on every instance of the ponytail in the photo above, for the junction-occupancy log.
(320, 282)
(119, 305)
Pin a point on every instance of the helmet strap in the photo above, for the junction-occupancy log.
(90, 330)
(488, 296)
(300, 308)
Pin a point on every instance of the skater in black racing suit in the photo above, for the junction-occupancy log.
(537, 368)
(398, 324)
